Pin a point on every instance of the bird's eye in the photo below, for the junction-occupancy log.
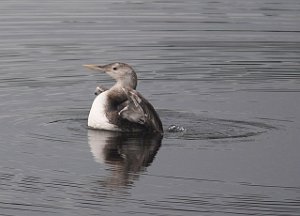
(115, 68)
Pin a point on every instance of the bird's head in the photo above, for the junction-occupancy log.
(121, 72)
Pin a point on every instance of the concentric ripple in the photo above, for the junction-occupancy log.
(187, 126)
(182, 125)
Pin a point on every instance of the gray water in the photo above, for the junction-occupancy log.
(224, 74)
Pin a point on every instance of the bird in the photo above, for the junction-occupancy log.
(122, 107)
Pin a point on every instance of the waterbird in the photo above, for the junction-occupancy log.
(122, 107)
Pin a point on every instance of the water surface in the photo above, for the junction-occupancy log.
(224, 73)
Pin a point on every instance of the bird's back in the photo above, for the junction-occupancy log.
(139, 110)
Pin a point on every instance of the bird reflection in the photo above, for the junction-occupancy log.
(128, 154)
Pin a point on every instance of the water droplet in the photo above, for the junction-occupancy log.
(175, 128)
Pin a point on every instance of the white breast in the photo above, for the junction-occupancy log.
(97, 117)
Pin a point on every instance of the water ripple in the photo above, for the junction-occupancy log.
(51, 164)
(191, 126)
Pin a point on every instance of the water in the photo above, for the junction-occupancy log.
(225, 74)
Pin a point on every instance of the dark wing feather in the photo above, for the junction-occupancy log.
(139, 110)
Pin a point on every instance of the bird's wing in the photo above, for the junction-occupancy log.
(139, 110)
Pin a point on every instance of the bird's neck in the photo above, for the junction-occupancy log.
(116, 94)
(125, 83)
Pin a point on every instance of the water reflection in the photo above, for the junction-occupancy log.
(126, 154)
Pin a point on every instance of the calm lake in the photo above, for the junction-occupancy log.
(224, 76)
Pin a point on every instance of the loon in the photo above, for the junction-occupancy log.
(122, 107)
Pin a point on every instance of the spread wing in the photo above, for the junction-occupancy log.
(138, 110)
